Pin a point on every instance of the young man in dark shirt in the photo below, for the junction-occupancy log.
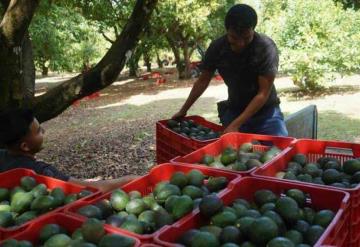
(22, 136)
(248, 63)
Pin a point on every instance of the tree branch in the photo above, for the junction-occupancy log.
(106, 37)
(116, 31)
(16, 21)
(103, 74)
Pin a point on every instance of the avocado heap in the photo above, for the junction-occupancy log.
(269, 220)
(189, 128)
(326, 171)
(243, 159)
(169, 201)
(90, 234)
(25, 202)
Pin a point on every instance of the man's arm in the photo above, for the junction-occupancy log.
(265, 85)
(105, 185)
(197, 90)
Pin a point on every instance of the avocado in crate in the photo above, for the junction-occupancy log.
(169, 201)
(90, 234)
(30, 199)
(325, 171)
(268, 220)
(245, 158)
(188, 128)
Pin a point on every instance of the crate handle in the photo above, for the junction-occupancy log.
(339, 151)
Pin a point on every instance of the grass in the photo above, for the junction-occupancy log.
(336, 126)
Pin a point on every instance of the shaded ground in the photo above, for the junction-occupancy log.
(113, 135)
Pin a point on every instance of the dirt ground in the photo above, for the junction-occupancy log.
(114, 134)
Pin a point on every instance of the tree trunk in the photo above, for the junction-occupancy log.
(158, 60)
(56, 100)
(147, 61)
(15, 70)
(133, 63)
(179, 62)
(29, 70)
(133, 68)
(44, 70)
(186, 52)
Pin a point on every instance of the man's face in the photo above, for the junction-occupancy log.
(33, 141)
(239, 42)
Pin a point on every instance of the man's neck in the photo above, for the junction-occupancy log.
(19, 153)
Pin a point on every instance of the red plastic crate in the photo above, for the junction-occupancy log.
(315, 149)
(68, 222)
(146, 184)
(170, 144)
(235, 140)
(11, 178)
(335, 234)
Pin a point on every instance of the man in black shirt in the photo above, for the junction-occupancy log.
(248, 63)
(22, 136)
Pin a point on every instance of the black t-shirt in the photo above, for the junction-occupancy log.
(8, 162)
(240, 71)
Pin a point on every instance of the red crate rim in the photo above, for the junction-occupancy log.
(163, 124)
(291, 140)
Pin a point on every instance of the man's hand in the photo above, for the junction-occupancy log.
(105, 185)
(233, 127)
(180, 114)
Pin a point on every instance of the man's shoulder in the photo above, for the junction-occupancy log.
(264, 41)
(218, 43)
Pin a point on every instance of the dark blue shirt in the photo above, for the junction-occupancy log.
(240, 71)
(8, 162)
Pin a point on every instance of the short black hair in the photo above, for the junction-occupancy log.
(240, 17)
(14, 125)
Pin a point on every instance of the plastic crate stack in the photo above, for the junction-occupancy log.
(186, 155)
(170, 144)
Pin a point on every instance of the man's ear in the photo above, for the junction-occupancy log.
(24, 147)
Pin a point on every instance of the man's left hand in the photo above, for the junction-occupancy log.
(231, 128)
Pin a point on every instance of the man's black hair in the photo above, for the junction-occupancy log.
(14, 125)
(240, 17)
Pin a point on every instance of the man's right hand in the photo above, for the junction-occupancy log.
(179, 114)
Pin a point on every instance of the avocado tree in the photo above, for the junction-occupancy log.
(62, 39)
(149, 47)
(14, 26)
(316, 48)
(185, 25)
(352, 4)
(108, 17)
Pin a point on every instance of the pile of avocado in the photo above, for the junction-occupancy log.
(326, 171)
(269, 220)
(90, 234)
(169, 201)
(243, 159)
(25, 202)
(189, 128)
